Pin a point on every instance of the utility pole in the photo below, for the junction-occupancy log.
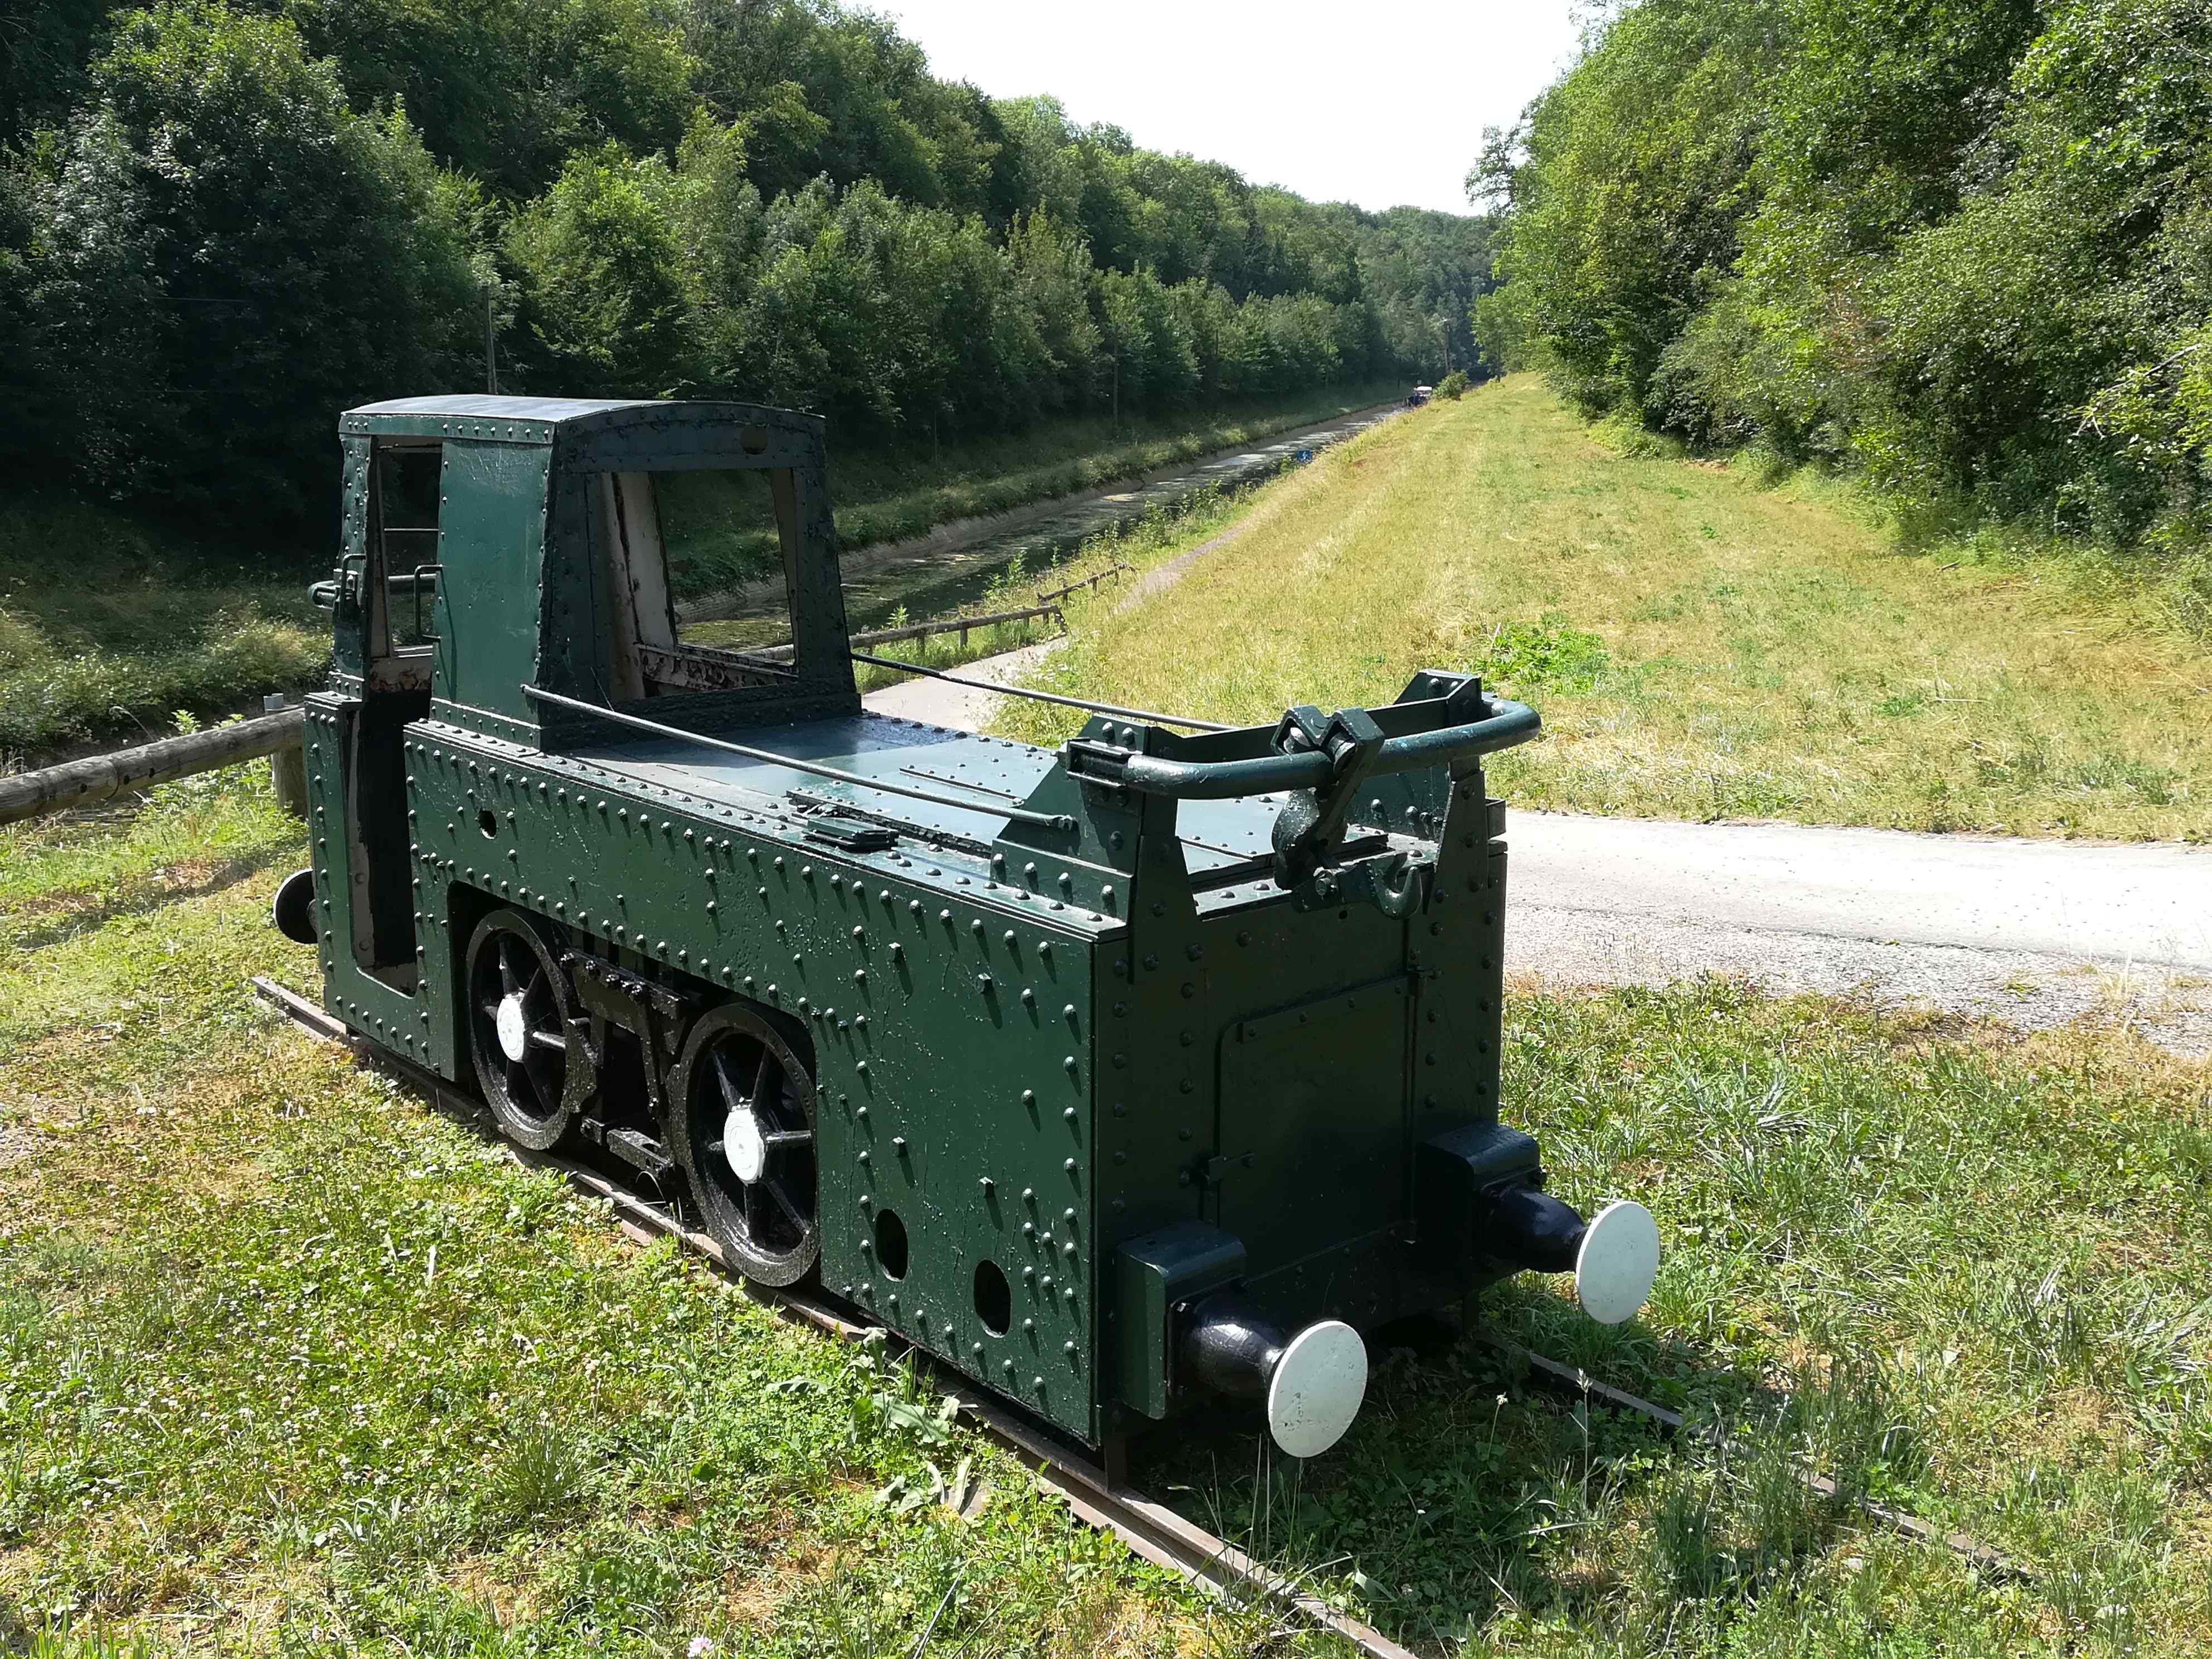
(491, 341)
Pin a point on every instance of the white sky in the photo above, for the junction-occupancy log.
(1381, 104)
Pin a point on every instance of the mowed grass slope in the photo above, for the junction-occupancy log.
(290, 1363)
(1700, 645)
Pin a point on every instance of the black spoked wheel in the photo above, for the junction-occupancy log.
(517, 1010)
(746, 1141)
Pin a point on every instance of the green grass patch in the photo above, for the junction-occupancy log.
(1957, 1270)
(1703, 642)
(107, 627)
(290, 1361)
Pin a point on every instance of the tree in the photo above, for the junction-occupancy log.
(229, 255)
(44, 47)
(606, 308)
(508, 90)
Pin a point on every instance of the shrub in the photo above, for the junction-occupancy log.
(1453, 385)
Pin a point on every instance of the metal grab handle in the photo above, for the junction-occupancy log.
(1512, 723)
(326, 595)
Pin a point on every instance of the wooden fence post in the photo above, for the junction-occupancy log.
(287, 766)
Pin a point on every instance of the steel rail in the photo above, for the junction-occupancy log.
(1145, 714)
(1555, 1377)
(1017, 814)
(1150, 1530)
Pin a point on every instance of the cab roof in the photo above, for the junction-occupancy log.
(539, 420)
(461, 407)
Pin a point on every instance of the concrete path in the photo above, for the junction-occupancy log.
(939, 702)
(2033, 932)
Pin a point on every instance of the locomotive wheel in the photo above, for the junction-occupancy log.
(745, 1134)
(518, 1009)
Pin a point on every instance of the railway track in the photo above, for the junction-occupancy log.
(1151, 1531)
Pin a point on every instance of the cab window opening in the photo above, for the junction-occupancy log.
(697, 596)
(408, 484)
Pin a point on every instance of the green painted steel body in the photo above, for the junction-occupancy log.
(1082, 1054)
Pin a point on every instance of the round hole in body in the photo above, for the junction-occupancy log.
(488, 821)
(890, 1243)
(994, 1298)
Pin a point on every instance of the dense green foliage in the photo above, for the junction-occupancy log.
(222, 222)
(1964, 246)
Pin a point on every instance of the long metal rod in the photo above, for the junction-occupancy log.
(1151, 1530)
(1510, 723)
(1145, 714)
(1018, 814)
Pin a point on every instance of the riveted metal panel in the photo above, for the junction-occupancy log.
(948, 1017)
(491, 524)
(376, 1007)
(1313, 1146)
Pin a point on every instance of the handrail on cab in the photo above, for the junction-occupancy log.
(1505, 725)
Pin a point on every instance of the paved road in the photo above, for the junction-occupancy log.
(2031, 931)
(2035, 933)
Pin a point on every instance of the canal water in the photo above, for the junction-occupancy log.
(953, 568)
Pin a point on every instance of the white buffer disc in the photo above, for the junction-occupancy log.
(744, 1145)
(1317, 1388)
(513, 1030)
(1618, 1260)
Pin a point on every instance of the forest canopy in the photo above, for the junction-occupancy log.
(1962, 246)
(221, 223)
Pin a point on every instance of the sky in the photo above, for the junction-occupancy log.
(1382, 104)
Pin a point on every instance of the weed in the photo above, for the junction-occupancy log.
(1546, 656)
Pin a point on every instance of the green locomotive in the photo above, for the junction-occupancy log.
(1151, 1068)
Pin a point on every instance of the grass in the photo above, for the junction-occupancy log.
(289, 1361)
(110, 624)
(1959, 1270)
(1704, 640)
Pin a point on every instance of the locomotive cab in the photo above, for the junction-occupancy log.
(1151, 1069)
